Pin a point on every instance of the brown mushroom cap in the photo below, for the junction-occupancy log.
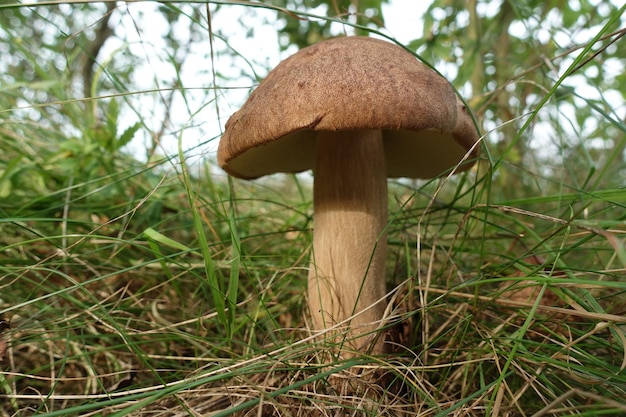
(349, 83)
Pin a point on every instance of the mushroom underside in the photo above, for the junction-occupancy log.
(411, 154)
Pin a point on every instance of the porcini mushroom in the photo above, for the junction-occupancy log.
(356, 110)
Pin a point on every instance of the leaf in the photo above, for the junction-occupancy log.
(127, 136)
(5, 176)
(5, 187)
(112, 117)
(152, 234)
(235, 264)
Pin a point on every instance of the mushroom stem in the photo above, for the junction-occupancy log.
(347, 274)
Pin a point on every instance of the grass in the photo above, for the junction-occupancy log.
(166, 288)
(122, 320)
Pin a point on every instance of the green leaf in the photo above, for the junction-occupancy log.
(127, 136)
(13, 167)
(112, 117)
(235, 263)
(5, 186)
(152, 234)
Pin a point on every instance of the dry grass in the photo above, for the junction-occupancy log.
(133, 353)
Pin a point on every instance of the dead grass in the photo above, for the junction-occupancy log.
(133, 354)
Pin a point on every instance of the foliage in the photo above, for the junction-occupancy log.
(146, 282)
(303, 32)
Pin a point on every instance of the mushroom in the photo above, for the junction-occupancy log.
(356, 110)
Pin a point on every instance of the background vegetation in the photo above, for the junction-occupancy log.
(137, 279)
